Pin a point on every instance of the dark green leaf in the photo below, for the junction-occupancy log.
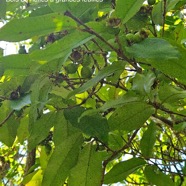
(148, 140)
(63, 159)
(123, 169)
(40, 129)
(157, 15)
(95, 126)
(34, 26)
(157, 177)
(18, 64)
(2, 8)
(8, 129)
(88, 170)
(169, 94)
(131, 116)
(62, 129)
(127, 9)
(142, 83)
(153, 48)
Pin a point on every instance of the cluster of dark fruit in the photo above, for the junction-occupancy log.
(78, 57)
(14, 95)
(43, 41)
(55, 36)
(137, 37)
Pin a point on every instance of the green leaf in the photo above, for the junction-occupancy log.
(39, 96)
(109, 70)
(60, 91)
(130, 96)
(180, 127)
(142, 83)
(8, 130)
(21, 102)
(17, 64)
(88, 170)
(22, 131)
(170, 65)
(81, 10)
(169, 94)
(156, 177)
(62, 129)
(148, 140)
(41, 11)
(123, 169)
(127, 9)
(137, 22)
(130, 116)
(3, 8)
(73, 114)
(115, 140)
(66, 155)
(61, 49)
(40, 129)
(153, 48)
(157, 13)
(95, 126)
(34, 26)
(33, 179)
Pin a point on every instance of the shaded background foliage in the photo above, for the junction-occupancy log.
(95, 94)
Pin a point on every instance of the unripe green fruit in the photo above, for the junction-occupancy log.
(137, 37)
(71, 68)
(151, 2)
(130, 37)
(86, 60)
(86, 72)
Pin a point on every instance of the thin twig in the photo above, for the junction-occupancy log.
(6, 119)
(88, 29)
(164, 15)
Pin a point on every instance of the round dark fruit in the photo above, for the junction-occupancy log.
(14, 95)
(76, 56)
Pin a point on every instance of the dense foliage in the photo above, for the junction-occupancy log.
(96, 94)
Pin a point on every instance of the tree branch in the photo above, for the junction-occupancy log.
(6, 119)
